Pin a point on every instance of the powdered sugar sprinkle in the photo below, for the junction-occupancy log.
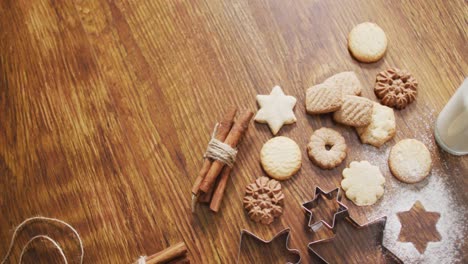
(435, 195)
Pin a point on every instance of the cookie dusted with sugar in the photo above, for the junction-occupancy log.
(276, 109)
(281, 158)
(363, 183)
(410, 161)
(381, 128)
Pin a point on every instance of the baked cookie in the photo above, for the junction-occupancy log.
(323, 98)
(410, 161)
(347, 82)
(396, 88)
(381, 128)
(367, 42)
(264, 200)
(280, 158)
(363, 183)
(327, 148)
(356, 111)
(276, 109)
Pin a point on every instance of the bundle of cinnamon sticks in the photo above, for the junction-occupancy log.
(211, 182)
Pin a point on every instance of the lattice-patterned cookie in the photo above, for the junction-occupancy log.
(356, 111)
(323, 98)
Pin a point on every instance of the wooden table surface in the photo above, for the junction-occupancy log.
(107, 107)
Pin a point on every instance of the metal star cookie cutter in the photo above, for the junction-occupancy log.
(308, 206)
(344, 216)
(283, 232)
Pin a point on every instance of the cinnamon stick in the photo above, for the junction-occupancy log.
(233, 138)
(220, 188)
(184, 260)
(222, 132)
(206, 197)
(173, 252)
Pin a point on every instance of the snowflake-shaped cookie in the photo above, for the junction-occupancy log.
(396, 88)
(263, 200)
(363, 183)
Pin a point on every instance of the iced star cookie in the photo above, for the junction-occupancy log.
(363, 183)
(280, 158)
(276, 109)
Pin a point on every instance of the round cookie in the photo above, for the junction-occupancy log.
(367, 42)
(318, 152)
(280, 158)
(410, 161)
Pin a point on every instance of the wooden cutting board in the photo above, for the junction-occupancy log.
(107, 107)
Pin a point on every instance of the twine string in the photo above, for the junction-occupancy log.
(218, 150)
(56, 245)
(142, 260)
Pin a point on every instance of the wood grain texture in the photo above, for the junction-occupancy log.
(428, 229)
(107, 107)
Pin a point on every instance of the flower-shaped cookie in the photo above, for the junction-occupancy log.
(363, 183)
(263, 200)
(396, 88)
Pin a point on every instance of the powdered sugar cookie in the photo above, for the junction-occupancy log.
(281, 158)
(363, 183)
(367, 42)
(381, 128)
(410, 161)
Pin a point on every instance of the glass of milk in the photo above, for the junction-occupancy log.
(451, 128)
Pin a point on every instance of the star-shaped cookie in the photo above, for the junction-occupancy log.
(418, 226)
(276, 109)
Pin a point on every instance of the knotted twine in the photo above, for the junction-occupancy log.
(221, 151)
(55, 243)
(142, 260)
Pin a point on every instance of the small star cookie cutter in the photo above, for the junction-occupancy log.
(286, 231)
(320, 194)
(344, 216)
